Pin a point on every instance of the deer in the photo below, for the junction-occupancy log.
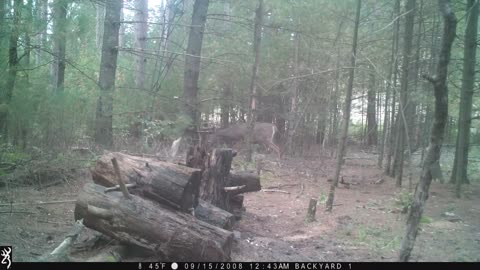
(263, 133)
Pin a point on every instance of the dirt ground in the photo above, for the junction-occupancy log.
(366, 224)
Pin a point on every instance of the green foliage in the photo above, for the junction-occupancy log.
(9, 154)
(404, 200)
(323, 198)
(378, 238)
(165, 128)
(426, 220)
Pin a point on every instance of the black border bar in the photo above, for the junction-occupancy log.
(243, 265)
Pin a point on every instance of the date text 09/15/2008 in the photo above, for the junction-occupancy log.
(245, 266)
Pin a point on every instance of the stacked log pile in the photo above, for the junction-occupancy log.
(170, 211)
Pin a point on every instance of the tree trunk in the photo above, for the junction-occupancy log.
(173, 236)
(402, 129)
(28, 31)
(43, 18)
(99, 23)
(386, 122)
(3, 9)
(252, 114)
(3, 44)
(59, 44)
(225, 104)
(121, 34)
(13, 52)
(392, 136)
(438, 130)
(141, 30)
(192, 67)
(293, 118)
(346, 115)
(106, 80)
(332, 140)
(466, 97)
(12, 65)
(372, 128)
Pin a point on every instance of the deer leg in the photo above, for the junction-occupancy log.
(275, 148)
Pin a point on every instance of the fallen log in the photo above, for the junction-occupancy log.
(170, 235)
(249, 180)
(236, 203)
(213, 215)
(169, 184)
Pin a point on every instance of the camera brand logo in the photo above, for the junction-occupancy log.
(6, 253)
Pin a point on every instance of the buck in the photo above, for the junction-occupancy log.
(263, 133)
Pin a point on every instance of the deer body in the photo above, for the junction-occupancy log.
(263, 133)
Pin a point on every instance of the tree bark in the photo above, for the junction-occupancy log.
(192, 67)
(99, 24)
(466, 96)
(249, 181)
(389, 170)
(106, 80)
(402, 129)
(173, 185)
(347, 109)
(438, 129)
(170, 235)
(216, 177)
(141, 30)
(121, 34)
(311, 210)
(42, 8)
(13, 52)
(225, 105)
(372, 128)
(12, 66)
(252, 114)
(388, 90)
(211, 214)
(59, 44)
(293, 118)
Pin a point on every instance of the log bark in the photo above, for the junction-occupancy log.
(312, 209)
(237, 208)
(216, 177)
(169, 184)
(213, 215)
(249, 180)
(222, 189)
(170, 235)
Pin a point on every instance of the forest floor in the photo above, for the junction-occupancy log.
(366, 223)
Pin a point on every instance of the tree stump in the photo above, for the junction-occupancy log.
(311, 211)
(216, 177)
(171, 235)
